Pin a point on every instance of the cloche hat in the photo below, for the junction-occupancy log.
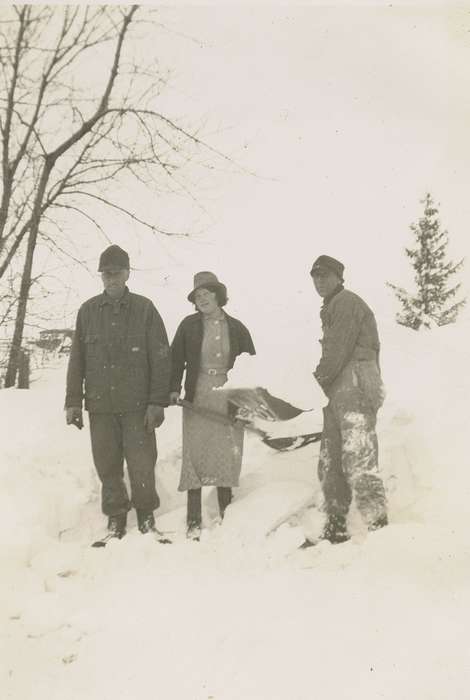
(205, 279)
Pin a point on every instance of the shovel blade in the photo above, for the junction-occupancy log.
(285, 444)
(257, 402)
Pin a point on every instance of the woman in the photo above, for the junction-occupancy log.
(206, 345)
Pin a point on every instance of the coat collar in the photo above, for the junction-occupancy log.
(198, 317)
(123, 301)
(335, 291)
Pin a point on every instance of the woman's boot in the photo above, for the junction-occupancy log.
(224, 497)
(194, 516)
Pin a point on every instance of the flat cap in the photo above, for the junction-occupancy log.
(114, 256)
(325, 262)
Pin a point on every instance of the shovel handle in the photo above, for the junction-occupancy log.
(218, 417)
(279, 444)
(207, 412)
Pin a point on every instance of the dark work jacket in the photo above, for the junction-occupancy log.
(349, 333)
(120, 359)
(186, 350)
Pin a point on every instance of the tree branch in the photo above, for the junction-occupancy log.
(103, 105)
(128, 213)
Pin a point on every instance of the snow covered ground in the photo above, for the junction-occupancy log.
(244, 613)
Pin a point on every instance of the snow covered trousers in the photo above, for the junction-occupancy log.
(119, 436)
(348, 463)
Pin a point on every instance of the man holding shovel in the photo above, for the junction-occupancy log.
(349, 374)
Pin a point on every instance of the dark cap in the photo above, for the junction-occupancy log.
(325, 262)
(114, 256)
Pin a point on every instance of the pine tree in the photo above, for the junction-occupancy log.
(429, 306)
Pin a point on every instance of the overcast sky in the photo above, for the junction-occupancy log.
(347, 115)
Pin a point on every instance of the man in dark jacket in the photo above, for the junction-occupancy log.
(120, 364)
(349, 374)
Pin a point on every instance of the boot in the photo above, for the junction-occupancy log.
(146, 524)
(224, 497)
(194, 515)
(335, 531)
(117, 525)
(379, 523)
(193, 531)
(145, 521)
(116, 530)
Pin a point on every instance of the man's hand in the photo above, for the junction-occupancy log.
(74, 416)
(174, 397)
(154, 417)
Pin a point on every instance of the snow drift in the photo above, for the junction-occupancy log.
(244, 613)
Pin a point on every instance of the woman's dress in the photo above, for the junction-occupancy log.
(212, 451)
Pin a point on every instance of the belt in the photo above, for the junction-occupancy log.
(213, 372)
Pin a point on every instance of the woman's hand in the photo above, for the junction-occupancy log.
(174, 398)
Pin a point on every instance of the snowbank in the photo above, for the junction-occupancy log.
(244, 613)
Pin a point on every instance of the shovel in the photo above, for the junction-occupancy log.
(282, 444)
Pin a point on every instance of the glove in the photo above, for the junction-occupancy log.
(154, 417)
(174, 398)
(74, 416)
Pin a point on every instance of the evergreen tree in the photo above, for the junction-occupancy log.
(429, 305)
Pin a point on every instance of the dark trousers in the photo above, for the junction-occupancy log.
(119, 436)
(194, 512)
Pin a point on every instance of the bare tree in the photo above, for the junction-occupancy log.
(8, 298)
(78, 124)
